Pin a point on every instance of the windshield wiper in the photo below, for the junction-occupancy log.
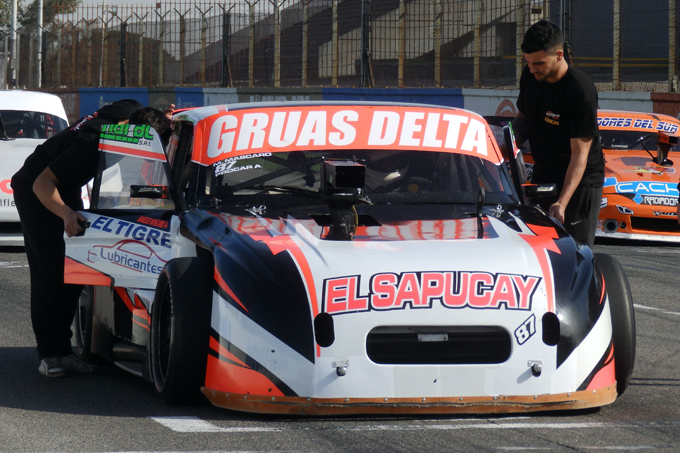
(641, 141)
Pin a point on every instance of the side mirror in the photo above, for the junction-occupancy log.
(664, 142)
(150, 191)
(536, 191)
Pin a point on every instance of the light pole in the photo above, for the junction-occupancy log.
(13, 47)
(39, 34)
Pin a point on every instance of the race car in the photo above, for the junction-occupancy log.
(342, 258)
(640, 195)
(26, 120)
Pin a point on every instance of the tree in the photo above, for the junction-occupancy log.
(5, 15)
(28, 16)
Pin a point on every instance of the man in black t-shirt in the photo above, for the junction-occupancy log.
(47, 192)
(558, 110)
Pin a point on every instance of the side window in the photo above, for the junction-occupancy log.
(133, 175)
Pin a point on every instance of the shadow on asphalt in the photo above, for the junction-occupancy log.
(109, 391)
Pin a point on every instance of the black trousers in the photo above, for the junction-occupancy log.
(581, 214)
(53, 303)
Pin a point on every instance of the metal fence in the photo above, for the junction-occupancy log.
(345, 43)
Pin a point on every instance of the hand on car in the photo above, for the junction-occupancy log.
(168, 111)
(72, 220)
(557, 211)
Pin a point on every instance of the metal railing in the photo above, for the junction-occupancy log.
(344, 43)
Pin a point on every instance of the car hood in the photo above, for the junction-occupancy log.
(512, 251)
(280, 273)
(635, 172)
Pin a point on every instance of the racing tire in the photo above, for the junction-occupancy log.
(83, 324)
(180, 330)
(623, 318)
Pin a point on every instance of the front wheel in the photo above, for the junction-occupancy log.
(623, 318)
(180, 322)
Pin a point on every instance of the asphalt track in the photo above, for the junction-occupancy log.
(113, 411)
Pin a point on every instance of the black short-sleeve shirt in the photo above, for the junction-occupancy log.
(72, 155)
(555, 113)
(77, 163)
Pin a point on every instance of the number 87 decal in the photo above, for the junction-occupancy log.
(526, 330)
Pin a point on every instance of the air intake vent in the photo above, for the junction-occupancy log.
(657, 225)
(438, 345)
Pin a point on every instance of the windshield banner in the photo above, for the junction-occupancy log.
(319, 128)
(131, 140)
(632, 121)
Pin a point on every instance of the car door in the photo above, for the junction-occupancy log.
(132, 220)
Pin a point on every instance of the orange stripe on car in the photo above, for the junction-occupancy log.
(541, 243)
(133, 307)
(607, 375)
(220, 281)
(231, 378)
(81, 274)
(221, 350)
(130, 151)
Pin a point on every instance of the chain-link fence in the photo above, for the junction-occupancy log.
(346, 43)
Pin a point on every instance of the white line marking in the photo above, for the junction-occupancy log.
(644, 307)
(11, 264)
(196, 425)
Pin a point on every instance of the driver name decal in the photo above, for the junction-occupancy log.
(269, 130)
(459, 289)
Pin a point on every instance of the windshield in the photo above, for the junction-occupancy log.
(391, 176)
(25, 124)
(630, 140)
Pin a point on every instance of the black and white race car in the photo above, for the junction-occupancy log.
(336, 258)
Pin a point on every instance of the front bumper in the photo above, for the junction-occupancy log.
(451, 405)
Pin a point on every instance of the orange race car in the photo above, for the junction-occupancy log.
(640, 194)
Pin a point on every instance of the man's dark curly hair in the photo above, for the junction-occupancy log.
(151, 117)
(543, 35)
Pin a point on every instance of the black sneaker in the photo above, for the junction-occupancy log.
(74, 364)
(52, 367)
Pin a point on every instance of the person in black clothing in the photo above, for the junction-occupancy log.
(47, 192)
(557, 107)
